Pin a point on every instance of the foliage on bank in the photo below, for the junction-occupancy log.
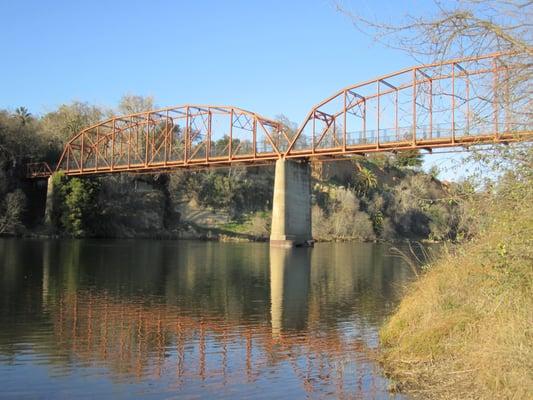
(464, 330)
(383, 197)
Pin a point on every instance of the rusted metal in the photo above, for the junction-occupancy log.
(202, 136)
(38, 170)
(434, 124)
(185, 136)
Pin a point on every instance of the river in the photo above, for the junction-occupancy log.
(187, 319)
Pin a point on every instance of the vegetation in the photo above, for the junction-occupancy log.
(75, 206)
(464, 329)
(382, 199)
(11, 213)
(375, 198)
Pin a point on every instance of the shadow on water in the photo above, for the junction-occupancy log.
(165, 318)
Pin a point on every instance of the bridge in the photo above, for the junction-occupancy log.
(456, 103)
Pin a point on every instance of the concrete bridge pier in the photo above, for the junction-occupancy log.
(49, 202)
(291, 206)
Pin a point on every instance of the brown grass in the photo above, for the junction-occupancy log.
(465, 329)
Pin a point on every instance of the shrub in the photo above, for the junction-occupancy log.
(74, 205)
(260, 224)
(11, 212)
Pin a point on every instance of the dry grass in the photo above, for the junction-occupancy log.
(465, 328)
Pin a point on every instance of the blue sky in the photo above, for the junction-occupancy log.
(271, 57)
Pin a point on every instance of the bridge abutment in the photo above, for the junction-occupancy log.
(291, 206)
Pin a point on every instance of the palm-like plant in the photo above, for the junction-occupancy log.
(22, 114)
(366, 180)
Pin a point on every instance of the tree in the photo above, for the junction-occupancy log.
(22, 114)
(461, 28)
(131, 104)
(80, 201)
(61, 125)
(75, 210)
(457, 28)
(12, 209)
(19, 140)
(290, 126)
(409, 158)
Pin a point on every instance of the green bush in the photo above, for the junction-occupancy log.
(74, 205)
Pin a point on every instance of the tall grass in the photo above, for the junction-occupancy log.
(465, 329)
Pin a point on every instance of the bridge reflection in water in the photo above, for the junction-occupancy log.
(199, 318)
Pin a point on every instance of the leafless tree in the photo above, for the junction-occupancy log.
(464, 28)
(457, 28)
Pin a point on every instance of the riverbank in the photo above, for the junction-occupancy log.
(227, 233)
(464, 329)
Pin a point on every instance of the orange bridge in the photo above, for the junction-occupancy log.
(449, 104)
(457, 103)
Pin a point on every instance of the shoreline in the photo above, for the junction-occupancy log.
(212, 235)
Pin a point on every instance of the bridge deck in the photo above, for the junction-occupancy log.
(458, 103)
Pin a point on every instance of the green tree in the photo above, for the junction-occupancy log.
(19, 140)
(80, 207)
(75, 210)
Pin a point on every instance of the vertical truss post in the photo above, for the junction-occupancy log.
(396, 129)
(82, 151)
(230, 149)
(507, 102)
(430, 108)
(313, 134)
(254, 137)
(147, 139)
(113, 136)
(171, 138)
(378, 115)
(467, 103)
(165, 143)
(453, 102)
(186, 136)
(153, 149)
(495, 96)
(96, 148)
(414, 108)
(344, 123)
(129, 148)
(121, 149)
(208, 142)
(364, 120)
(334, 131)
(135, 146)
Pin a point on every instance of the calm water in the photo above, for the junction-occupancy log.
(166, 319)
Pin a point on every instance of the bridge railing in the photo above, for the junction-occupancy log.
(458, 101)
(38, 170)
(453, 103)
(407, 135)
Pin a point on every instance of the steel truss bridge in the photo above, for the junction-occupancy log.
(456, 103)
